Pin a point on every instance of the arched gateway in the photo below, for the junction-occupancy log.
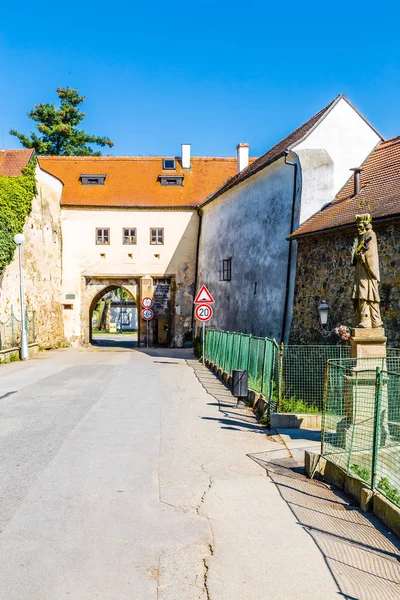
(93, 288)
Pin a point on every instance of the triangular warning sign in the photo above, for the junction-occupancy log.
(204, 296)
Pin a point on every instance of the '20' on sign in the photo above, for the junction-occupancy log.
(203, 312)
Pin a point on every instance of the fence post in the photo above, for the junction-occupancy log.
(239, 350)
(248, 354)
(377, 424)
(263, 365)
(324, 401)
(280, 374)
(12, 327)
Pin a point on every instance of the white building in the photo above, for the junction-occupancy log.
(132, 222)
(244, 257)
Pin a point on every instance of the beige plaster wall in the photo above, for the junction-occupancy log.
(83, 260)
(41, 266)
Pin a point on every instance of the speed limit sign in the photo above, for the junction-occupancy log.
(203, 312)
(147, 302)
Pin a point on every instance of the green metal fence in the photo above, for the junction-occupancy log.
(259, 356)
(290, 377)
(361, 420)
(302, 375)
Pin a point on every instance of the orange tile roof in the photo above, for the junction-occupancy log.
(134, 181)
(277, 151)
(379, 195)
(13, 161)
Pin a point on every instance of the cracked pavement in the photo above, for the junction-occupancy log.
(129, 475)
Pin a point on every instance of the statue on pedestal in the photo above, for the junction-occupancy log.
(365, 258)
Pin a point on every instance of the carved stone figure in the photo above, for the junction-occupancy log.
(366, 261)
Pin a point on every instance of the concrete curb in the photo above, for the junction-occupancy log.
(11, 354)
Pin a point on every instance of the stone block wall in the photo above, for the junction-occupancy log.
(324, 272)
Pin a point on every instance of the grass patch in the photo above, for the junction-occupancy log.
(296, 405)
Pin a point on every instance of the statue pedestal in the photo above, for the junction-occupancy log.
(368, 343)
(356, 430)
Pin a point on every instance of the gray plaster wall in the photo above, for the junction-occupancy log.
(250, 225)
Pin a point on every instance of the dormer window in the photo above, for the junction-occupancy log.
(168, 164)
(93, 179)
(171, 179)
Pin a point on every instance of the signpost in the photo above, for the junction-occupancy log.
(203, 311)
(147, 315)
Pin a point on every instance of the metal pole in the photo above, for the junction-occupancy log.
(24, 338)
(377, 424)
(120, 312)
(147, 334)
(204, 339)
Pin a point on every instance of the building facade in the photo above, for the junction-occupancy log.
(324, 270)
(245, 257)
(133, 223)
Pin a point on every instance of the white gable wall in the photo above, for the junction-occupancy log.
(348, 139)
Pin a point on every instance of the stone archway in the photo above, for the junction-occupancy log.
(93, 288)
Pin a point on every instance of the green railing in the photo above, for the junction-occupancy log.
(361, 420)
(259, 356)
(290, 377)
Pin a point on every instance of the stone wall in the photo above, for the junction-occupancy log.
(324, 272)
(41, 265)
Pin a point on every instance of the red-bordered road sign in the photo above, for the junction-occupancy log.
(147, 302)
(203, 312)
(204, 296)
(147, 314)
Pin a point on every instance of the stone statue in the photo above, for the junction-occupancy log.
(366, 261)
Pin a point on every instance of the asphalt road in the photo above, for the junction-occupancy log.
(123, 478)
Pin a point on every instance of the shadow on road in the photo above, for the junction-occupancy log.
(361, 553)
(115, 341)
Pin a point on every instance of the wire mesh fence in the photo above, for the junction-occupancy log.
(361, 420)
(10, 330)
(290, 377)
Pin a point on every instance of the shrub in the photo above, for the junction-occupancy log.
(16, 195)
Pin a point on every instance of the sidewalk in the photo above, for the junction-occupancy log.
(292, 537)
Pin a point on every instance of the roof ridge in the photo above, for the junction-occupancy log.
(121, 158)
(276, 151)
(391, 141)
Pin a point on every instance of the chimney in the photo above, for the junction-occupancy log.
(185, 156)
(242, 156)
(357, 180)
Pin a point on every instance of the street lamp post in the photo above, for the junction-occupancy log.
(24, 353)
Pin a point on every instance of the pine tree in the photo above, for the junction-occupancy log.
(58, 128)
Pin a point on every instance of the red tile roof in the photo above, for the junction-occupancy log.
(379, 195)
(13, 161)
(134, 181)
(275, 152)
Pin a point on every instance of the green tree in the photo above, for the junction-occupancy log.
(58, 133)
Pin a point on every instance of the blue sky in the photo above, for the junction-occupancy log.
(212, 74)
